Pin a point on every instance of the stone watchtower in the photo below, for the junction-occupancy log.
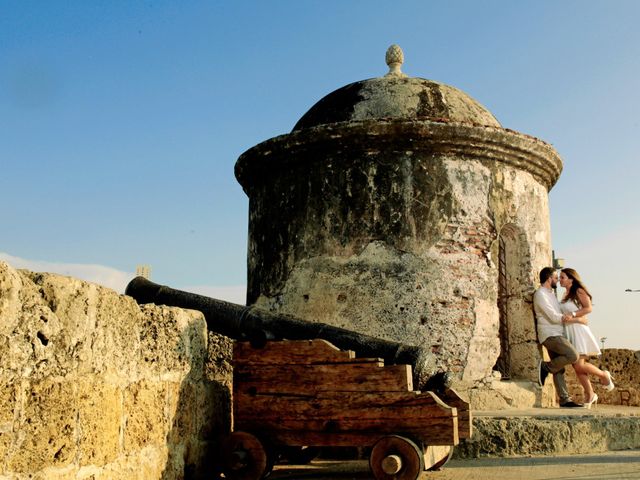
(401, 208)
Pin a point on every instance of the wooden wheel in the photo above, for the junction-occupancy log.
(245, 458)
(437, 456)
(396, 458)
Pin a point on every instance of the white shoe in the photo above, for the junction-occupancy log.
(592, 401)
(609, 386)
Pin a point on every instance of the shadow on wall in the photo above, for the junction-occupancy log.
(201, 409)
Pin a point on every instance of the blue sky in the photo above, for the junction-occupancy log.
(120, 122)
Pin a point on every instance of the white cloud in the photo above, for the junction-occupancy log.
(117, 279)
(106, 276)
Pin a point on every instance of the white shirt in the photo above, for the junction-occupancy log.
(548, 314)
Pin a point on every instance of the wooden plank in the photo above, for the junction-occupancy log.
(437, 431)
(290, 351)
(333, 404)
(465, 420)
(296, 352)
(436, 455)
(309, 379)
(345, 439)
(324, 439)
(423, 415)
(319, 439)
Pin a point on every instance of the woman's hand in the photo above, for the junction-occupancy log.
(582, 320)
(568, 318)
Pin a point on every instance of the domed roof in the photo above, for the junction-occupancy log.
(397, 96)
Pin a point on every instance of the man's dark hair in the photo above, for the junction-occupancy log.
(545, 273)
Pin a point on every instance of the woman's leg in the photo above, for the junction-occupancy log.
(590, 369)
(583, 378)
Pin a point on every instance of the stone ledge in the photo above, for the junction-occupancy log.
(366, 137)
(552, 431)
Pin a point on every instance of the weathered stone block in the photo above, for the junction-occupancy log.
(146, 421)
(100, 419)
(501, 395)
(196, 424)
(172, 342)
(525, 358)
(148, 463)
(507, 436)
(181, 411)
(47, 426)
(218, 367)
(8, 406)
(52, 473)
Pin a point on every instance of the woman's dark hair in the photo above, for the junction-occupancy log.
(572, 293)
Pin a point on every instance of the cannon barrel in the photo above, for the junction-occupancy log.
(257, 325)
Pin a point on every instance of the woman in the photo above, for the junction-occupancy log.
(575, 305)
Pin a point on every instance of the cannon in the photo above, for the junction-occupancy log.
(302, 385)
(258, 325)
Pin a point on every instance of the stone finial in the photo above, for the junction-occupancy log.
(394, 58)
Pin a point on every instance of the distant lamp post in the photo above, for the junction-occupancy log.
(602, 340)
(558, 263)
(143, 271)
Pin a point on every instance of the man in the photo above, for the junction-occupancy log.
(551, 335)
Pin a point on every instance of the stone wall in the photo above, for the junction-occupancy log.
(624, 366)
(93, 386)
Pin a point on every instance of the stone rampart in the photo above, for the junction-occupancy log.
(93, 386)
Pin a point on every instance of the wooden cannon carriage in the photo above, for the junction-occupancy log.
(309, 393)
(311, 390)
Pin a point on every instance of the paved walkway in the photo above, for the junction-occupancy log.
(599, 410)
(602, 466)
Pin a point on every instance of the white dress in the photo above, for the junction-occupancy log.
(578, 334)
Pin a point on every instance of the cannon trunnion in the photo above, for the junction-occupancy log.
(310, 393)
